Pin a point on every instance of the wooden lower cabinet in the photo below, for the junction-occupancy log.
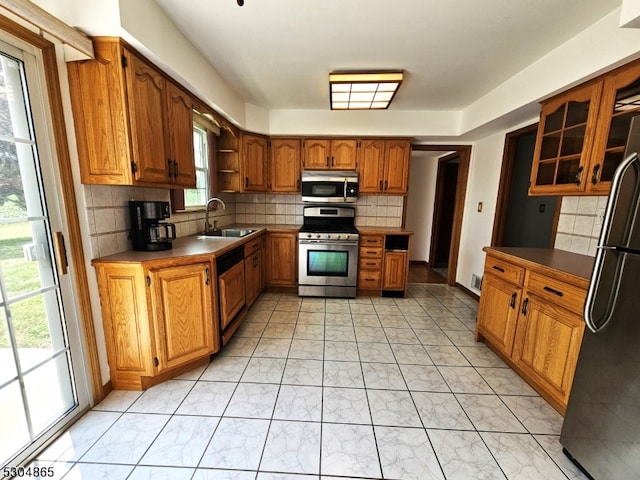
(253, 269)
(370, 263)
(231, 293)
(531, 316)
(383, 271)
(281, 258)
(498, 312)
(394, 276)
(547, 344)
(159, 319)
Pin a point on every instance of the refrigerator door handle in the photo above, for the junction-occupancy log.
(595, 287)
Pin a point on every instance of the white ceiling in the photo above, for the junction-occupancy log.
(277, 54)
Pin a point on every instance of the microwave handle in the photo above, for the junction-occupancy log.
(344, 190)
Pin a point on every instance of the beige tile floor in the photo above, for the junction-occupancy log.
(328, 389)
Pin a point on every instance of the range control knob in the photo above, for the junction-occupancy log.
(317, 235)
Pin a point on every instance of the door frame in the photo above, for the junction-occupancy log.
(464, 153)
(506, 184)
(437, 206)
(73, 242)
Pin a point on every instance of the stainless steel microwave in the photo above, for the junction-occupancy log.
(329, 186)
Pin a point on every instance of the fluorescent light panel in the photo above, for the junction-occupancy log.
(363, 90)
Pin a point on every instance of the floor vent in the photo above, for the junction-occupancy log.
(476, 281)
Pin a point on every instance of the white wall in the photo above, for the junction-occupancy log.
(477, 227)
(420, 202)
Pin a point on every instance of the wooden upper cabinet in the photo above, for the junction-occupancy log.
(371, 166)
(284, 171)
(564, 141)
(253, 155)
(317, 153)
(132, 126)
(383, 166)
(619, 104)
(343, 154)
(582, 134)
(100, 120)
(396, 175)
(179, 128)
(329, 154)
(145, 98)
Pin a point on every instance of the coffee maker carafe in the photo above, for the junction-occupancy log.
(148, 232)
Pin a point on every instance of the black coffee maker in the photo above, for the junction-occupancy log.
(148, 232)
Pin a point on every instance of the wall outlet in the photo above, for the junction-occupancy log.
(476, 281)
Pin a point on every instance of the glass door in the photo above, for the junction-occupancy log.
(38, 387)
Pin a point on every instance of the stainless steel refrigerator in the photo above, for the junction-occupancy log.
(601, 429)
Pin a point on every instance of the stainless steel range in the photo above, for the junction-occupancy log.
(328, 252)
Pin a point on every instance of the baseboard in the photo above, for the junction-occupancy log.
(471, 293)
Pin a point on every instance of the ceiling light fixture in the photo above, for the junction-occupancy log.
(363, 90)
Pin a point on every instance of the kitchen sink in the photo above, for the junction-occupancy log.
(229, 232)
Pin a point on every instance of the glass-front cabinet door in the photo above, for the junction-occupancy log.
(620, 102)
(564, 141)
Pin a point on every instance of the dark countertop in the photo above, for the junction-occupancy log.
(195, 245)
(548, 260)
(384, 230)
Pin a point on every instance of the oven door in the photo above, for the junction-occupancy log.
(328, 262)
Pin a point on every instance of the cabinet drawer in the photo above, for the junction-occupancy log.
(252, 246)
(557, 292)
(369, 279)
(505, 270)
(367, 263)
(371, 241)
(370, 252)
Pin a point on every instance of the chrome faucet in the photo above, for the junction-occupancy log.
(207, 225)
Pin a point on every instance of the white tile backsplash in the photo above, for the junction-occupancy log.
(108, 214)
(580, 223)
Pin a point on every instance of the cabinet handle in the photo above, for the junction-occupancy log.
(553, 290)
(578, 178)
(298, 184)
(594, 176)
(386, 184)
(328, 164)
(372, 253)
(369, 279)
(371, 240)
(500, 269)
(370, 263)
(207, 276)
(332, 160)
(246, 182)
(512, 303)
(525, 305)
(148, 281)
(170, 168)
(380, 185)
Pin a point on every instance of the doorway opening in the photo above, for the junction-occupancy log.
(521, 220)
(443, 213)
(437, 252)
